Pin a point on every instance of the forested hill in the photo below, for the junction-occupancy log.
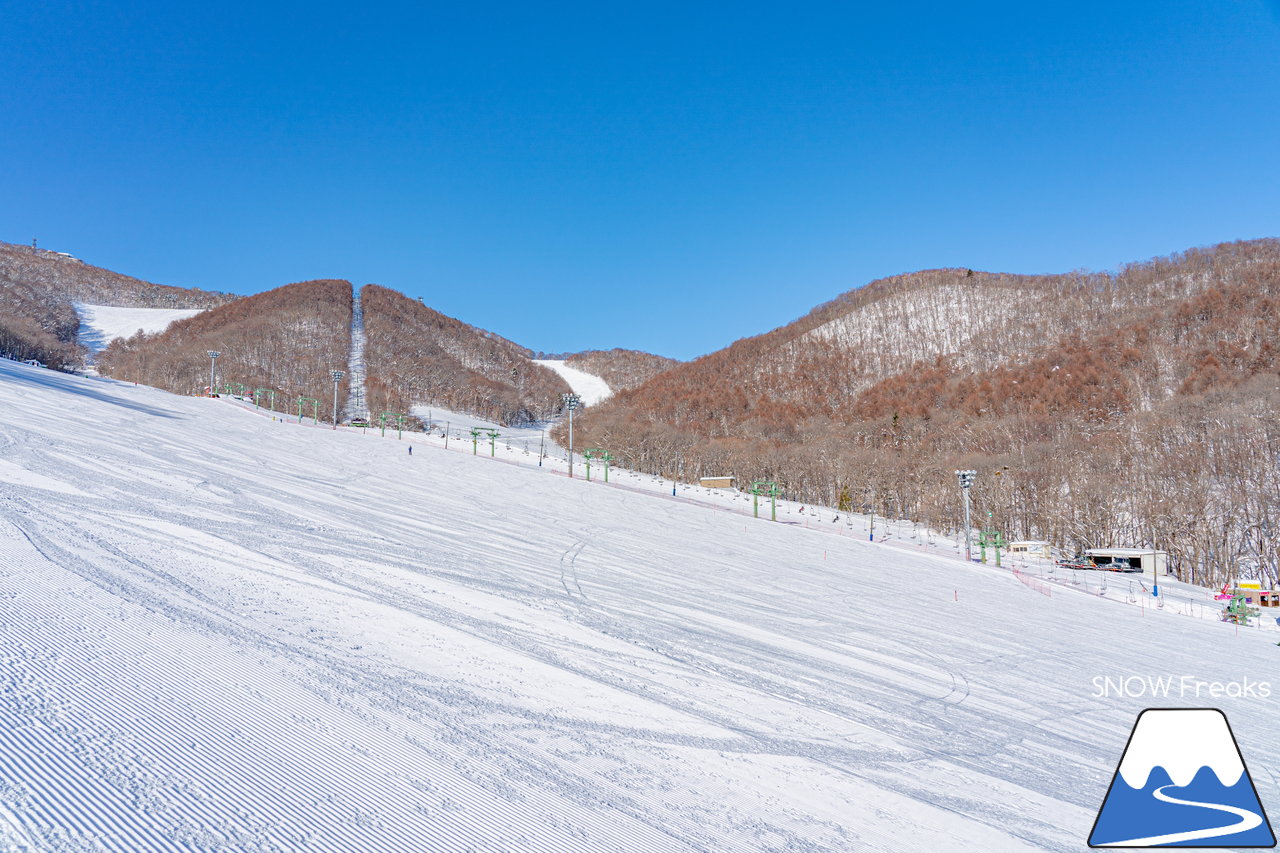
(37, 291)
(67, 278)
(417, 356)
(1098, 408)
(290, 338)
(621, 369)
(286, 339)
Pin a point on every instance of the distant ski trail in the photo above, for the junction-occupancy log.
(591, 388)
(356, 406)
(1248, 820)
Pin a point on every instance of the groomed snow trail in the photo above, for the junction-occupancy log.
(591, 388)
(101, 324)
(356, 406)
(220, 631)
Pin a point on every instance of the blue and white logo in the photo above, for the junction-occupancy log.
(1182, 783)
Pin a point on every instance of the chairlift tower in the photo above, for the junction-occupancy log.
(599, 454)
(493, 434)
(315, 408)
(993, 539)
(397, 418)
(768, 489)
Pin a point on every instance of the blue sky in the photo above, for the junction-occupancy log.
(663, 176)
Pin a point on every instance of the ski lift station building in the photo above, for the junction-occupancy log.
(716, 482)
(1141, 559)
(1032, 548)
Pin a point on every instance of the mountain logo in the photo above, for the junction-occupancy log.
(1182, 782)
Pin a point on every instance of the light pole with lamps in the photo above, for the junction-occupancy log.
(337, 377)
(213, 361)
(571, 402)
(966, 483)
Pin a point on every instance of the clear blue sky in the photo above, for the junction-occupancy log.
(663, 176)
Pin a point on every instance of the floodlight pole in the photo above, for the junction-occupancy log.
(213, 361)
(965, 479)
(571, 401)
(337, 377)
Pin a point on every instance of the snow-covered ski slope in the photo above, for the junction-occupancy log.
(101, 324)
(591, 388)
(356, 406)
(220, 631)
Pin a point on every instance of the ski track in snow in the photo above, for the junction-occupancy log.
(233, 632)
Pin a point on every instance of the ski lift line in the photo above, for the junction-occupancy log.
(1083, 588)
(1187, 605)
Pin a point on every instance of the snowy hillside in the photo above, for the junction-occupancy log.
(223, 631)
(949, 318)
(101, 324)
(591, 388)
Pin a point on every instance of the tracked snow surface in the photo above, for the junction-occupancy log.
(221, 631)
